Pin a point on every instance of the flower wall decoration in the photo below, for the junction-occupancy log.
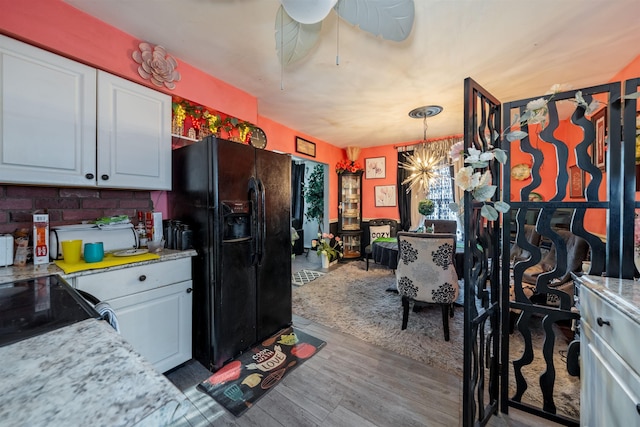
(156, 65)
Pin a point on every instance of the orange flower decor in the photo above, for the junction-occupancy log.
(348, 166)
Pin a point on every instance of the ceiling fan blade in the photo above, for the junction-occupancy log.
(293, 39)
(391, 19)
(308, 11)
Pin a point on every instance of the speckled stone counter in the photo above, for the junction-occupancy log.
(83, 375)
(621, 293)
(13, 273)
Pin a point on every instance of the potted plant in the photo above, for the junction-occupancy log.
(314, 196)
(426, 207)
(329, 252)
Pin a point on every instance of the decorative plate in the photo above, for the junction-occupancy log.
(535, 197)
(521, 172)
(131, 252)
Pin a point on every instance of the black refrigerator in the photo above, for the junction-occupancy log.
(237, 200)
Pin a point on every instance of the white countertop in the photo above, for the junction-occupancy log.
(622, 293)
(84, 374)
(14, 273)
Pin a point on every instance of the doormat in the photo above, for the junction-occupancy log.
(303, 277)
(240, 383)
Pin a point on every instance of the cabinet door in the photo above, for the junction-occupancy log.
(134, 135)
(350, 201)
(609, 389)
(157, 323)
(47, 117)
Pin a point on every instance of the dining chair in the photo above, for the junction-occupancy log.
(426, 274)
(448, 226)
(379, 227)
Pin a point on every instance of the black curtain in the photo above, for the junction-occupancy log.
(297, 186)
(404, 199)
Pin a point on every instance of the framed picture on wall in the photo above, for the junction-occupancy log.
(375, 167)
(385, 195)
(599, 120)
(305, 147)
(576, 182)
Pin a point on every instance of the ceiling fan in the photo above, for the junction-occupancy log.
(298, 23)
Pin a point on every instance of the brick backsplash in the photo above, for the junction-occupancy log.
(66, 205)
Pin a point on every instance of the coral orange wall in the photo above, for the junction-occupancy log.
(58, 27)
(369, 209)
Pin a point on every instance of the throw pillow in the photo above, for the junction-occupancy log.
(379, 231)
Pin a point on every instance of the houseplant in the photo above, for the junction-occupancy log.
(330, 252)
(314, 196)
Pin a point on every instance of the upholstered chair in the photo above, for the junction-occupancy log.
(426, 274)
(380, 227)
(532, 236)
(442, 225)
(577, 250)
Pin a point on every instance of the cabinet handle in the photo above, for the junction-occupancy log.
(142, 278)
(105, 177)
(601, 322)
(189, 290)
(89, 176)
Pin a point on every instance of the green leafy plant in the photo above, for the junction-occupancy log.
(426, 207)
(314, 196)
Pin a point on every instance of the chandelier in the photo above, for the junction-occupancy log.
(423, 163)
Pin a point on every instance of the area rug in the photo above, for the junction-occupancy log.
(242, 382)
(303, 277)
(354, 301)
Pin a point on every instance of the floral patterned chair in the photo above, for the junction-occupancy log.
(426, 273)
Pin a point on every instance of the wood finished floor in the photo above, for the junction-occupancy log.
(347, 383)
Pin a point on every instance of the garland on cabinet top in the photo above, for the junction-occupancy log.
(350, 165)
(197, 122)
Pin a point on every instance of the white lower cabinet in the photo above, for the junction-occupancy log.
(153, 306)
(610, 385)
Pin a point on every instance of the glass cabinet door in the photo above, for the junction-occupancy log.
(350, 193)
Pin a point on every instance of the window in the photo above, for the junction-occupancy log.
(441, 192)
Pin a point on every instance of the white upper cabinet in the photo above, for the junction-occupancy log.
(67, 124)
(48, 117)
(134, 135)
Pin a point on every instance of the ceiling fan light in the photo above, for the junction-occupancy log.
(308, 11)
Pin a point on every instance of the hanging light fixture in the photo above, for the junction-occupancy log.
(423, 163)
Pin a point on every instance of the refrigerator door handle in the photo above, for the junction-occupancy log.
(262, 222)
(254, 190)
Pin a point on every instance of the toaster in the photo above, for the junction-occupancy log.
(6, 250)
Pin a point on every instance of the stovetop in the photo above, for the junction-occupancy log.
(36, 306)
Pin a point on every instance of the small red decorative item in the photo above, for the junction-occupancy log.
(230, 372)
(303, 350)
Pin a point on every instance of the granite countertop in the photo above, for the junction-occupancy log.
(622, 293)
(84, 374)
(14, 273)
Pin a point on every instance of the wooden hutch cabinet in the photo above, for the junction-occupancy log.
(350, 213)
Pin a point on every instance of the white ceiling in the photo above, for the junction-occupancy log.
(514, 48)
